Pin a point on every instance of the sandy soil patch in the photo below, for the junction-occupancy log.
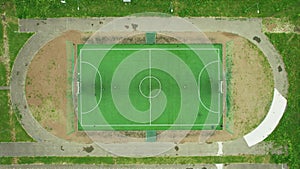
(46, 86)
(278, 25)
(251, 84)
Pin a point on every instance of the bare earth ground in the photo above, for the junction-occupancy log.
(252, 85)
(46, 86)
(279, 25)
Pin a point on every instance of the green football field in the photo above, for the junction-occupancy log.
(149, 87)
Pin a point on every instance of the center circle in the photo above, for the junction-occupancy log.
(150, 83)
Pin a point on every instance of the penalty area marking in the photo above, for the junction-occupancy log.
(199, 77)
(83, 62)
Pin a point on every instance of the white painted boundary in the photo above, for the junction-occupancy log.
(150, 99)
(139, 49)
(270, 122)
(80, 88)
(154, 49)
(83, 62)
(146, 125)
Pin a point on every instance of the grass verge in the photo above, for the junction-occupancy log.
(1, 38)
(9, 122)
(21, 134)
(16, 41)
(5, 127)
(2, 74)
(288, 131)
(233, 8)
(148, 160)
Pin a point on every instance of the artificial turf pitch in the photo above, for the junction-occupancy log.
(149, 87)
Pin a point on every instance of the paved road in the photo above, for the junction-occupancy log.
(143, 166)
(48, 144)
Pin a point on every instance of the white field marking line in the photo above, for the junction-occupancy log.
(72, 83)
(219, 61)
(150, 99)
(100, 88)
(107, 49)
(221, 86)
(199, 95)
(78, 88)
(219, 94)
(140, 86)
(148, 125)
(75, 74)
(138, 49)
(80, 96)
(159, 85)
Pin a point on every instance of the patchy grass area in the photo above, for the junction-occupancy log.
(288, 131)
(6, 160)
(5, 127)
(9, 122)
(1, 38)
(234, 8)
(148, 160)
(16, 41)
(2, 74)
(20, 133)
(46, 8)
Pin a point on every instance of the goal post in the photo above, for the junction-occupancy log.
(221, 87)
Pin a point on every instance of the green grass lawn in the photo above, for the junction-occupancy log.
(288, 131)
(233, 8)
(2, 75)
(177, 74)
(16, 41)
(21, 134)
(1, 39)
(8, 123)
(148, 160)
(5, 127)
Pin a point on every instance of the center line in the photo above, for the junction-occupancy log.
(150, 86)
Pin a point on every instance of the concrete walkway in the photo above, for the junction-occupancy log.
(22, 149)
(48, 144)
